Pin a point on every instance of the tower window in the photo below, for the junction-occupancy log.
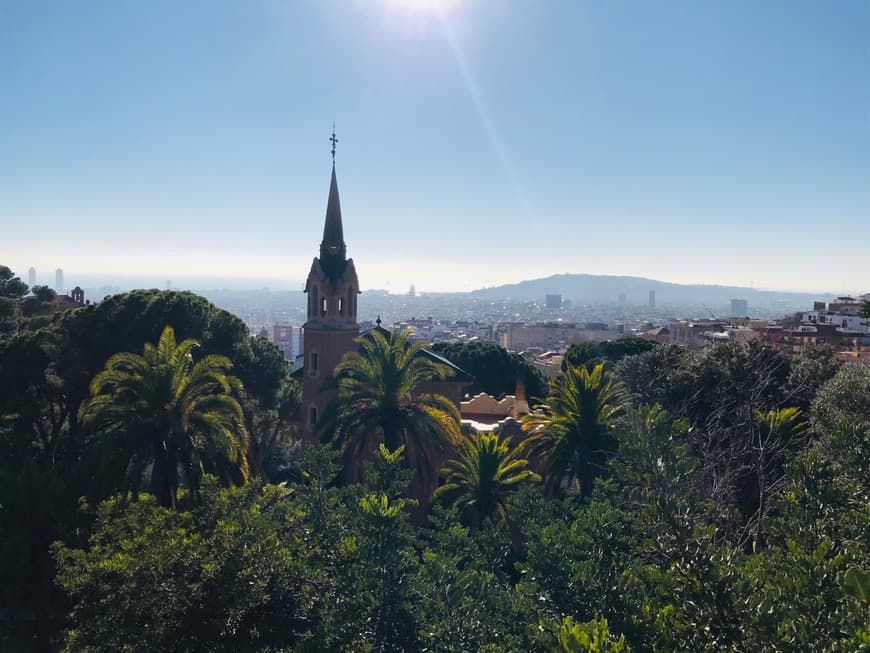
(324, 305)
(340, 306)
(312, 416)
(314, 363)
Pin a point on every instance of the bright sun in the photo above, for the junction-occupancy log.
(415, 6)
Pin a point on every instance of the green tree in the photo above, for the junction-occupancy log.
(87, 337)
(378, 402)
(220, 575)
(798, 586)
(590, 637)
(496, 371)
(469, 602)
(575, 557)
(46, 461)
(572, 433)
(609, 352)
(483, 476)
(585, 352)
(777, 432)
(40, 483)
(166, 410)
(720, 392)
(810, 370)
(44, 293)
(12, 289)
(273, 433)
(682, 575)
(11, 286)
(843, 403)
(661, 376)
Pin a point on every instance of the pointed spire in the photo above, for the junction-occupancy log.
(333, 232)
(333, 251)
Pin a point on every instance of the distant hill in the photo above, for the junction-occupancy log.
(593, 288)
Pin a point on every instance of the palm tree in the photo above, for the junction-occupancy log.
(168, 411)
(775, 434)
(570, 434)
(378, 402)
(484, 476)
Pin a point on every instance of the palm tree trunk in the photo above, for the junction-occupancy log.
(392, 428)
(162, 475)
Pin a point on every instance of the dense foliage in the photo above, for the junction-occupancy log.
(691, 501)
(164, 411)
(377, 403)
(483, 477)
(496, 370)
(608, 352)
(49, 458)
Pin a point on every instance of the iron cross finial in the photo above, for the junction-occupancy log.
(333, 140)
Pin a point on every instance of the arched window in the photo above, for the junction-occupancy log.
(312, 416)
(341, 306)
(313, 364)
(324, 305)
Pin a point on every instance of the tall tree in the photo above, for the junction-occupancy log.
(44, 294)
(571, 434)
(272, 433)
(609, 352)
(12, 289)
(496, 370)
(482, 478)
(378, 402)
(776, 433)
(10, 285)
(843, 403)
(166, 410)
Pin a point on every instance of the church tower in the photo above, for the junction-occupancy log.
(331, 327)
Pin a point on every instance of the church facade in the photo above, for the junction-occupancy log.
(331, 328)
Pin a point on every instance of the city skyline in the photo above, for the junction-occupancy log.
(480, 143)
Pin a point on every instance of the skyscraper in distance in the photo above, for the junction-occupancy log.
(652, 298)
(31, 277)
(739, 308)
(58, 281)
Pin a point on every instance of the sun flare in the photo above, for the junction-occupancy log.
(422, 6)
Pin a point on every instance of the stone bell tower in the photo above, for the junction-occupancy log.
(331, 328)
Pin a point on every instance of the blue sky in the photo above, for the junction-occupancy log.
(480, 141)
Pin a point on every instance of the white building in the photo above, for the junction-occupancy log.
(844, 314)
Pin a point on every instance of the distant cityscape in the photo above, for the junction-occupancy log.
(542, 329)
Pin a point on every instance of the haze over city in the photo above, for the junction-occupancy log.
(480, 142)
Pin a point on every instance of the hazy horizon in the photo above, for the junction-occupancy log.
(206, 282)
(480, 142)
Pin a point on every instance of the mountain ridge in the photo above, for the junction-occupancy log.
(608, 288)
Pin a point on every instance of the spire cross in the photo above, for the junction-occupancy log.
(333, 140)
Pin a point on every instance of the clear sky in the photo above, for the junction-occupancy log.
(480, 141)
